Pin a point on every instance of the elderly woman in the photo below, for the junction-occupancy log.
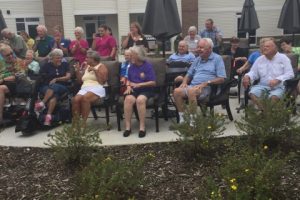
(104, 43)
(94, 77)
(135, 37)
(79, 46)
(8, 67)
(192, 39)
(141, 80)
(56, 75)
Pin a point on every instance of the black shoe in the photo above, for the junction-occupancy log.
(142, 134)
(126, 133)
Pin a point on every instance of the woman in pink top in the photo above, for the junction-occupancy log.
(79, 46)
(105, 44)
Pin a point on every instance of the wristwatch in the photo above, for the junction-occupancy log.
(208, 83)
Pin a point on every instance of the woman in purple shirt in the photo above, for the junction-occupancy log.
(141, 80)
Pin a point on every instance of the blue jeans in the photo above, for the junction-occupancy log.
(58, 89)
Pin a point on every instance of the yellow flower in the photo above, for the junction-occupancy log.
(209, 127)
(232, 180)
(246, 170)
(265, 147)
(152, 155)
(234, 187)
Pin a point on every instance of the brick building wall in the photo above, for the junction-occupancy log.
(189, 14)
(53, 14)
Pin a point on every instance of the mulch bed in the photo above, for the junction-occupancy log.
(33, 173)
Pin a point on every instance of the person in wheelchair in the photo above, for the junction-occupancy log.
(271, 70)
(55, 77)
(93, 77)
(207, 69)
(9, 66)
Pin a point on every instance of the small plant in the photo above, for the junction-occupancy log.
(110, 178)
(248, 176)
(76, 142)
(198, 131)
(272, 126)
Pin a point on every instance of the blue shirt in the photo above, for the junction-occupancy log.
(202, 71)
(176, 57)
(49, 71)
(252, 58)
(124, 69)
(212, 34)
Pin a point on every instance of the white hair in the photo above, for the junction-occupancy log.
(5, 31)
(140, 51)
(56, 52)
(80, 30)
(42, 27)
(192, 28)
(209, 41)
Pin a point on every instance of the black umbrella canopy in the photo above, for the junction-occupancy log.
(2, 23)
(290, 16)
(161, 19)
(249, 20)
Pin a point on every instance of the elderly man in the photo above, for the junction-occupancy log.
(271, 69)
(206, 70)
(44, 43)
(8, 68)
(213, 33)
(16, 42)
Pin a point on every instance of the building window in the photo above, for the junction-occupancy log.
(28, 24)
(136, 17)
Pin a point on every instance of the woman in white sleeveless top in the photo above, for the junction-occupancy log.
(93, 76)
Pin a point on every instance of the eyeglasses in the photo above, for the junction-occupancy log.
(9, 54)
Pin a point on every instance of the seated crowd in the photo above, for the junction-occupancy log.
(48, 56)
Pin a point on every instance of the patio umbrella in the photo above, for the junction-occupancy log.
(249, 20)
(2, 23)
(161, 20)
(290, 16)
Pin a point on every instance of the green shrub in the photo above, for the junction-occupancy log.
(75, 143)
(111, 179)
(249, 176)
(273, 127)
(197, 133)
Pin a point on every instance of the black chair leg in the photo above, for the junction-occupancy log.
(156, 118)
(136, 112)
(228, 110)
(93, 109)
(107, 117)
(119, 116)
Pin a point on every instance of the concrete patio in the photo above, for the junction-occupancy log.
(8, 137)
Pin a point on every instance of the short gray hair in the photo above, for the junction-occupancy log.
(93, 54)
(209, 41)
(192, 28)
(4, 48)
(140, 51)
(42, 27)
(80, 30)
(6, 31)
(56, 52)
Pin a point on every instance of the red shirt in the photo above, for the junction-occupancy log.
(78, 55)
(105, 44)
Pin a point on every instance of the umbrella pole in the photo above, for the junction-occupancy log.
(164, 48)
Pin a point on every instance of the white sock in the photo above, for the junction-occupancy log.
(181, 117)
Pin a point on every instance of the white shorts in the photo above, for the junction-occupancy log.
(97, 90)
